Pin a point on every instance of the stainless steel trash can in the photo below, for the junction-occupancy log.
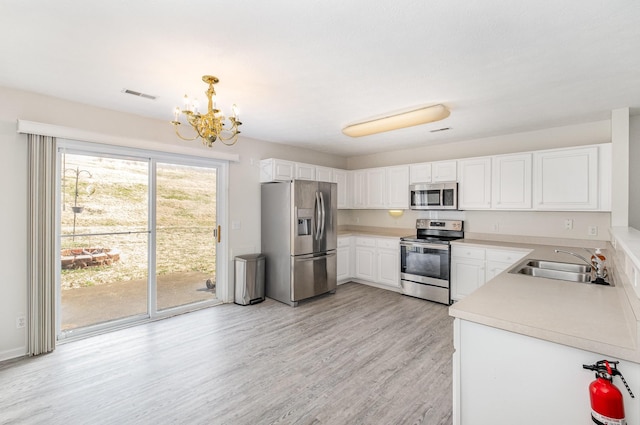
(249, 280)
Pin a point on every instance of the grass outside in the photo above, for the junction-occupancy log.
(114, 194)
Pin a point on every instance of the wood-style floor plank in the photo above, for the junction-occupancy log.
(361, 356)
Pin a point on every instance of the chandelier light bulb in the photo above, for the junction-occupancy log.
(234, 109)
(195, 104)
(176, 113)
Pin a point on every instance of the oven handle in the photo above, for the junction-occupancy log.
(425, 245)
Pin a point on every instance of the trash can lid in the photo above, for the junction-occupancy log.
(249, 257)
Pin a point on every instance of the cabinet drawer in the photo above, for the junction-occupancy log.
(504, 256)
(468, 252)
(344, 241)
(388, 243)
(366, 242)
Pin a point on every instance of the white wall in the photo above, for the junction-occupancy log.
(557, 137)
(634, 172)
(244, 187)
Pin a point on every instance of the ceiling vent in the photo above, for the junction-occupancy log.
(437, 130)
(137, 93)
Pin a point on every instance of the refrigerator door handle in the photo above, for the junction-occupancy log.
(316, 220)
(324, 215)
(312, 257)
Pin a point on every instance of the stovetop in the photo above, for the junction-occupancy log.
(445, 240)
(436, 231)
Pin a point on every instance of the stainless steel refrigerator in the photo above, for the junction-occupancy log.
(299, 239)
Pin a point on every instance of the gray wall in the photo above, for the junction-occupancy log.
(634, 172)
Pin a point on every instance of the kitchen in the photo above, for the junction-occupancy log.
(541, 132)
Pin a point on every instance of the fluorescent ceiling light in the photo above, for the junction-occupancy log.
(394, 122)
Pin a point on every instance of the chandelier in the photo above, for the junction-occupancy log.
(211, 125)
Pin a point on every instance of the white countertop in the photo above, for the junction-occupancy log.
(590, 317)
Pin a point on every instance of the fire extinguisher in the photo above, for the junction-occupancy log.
(607, 405)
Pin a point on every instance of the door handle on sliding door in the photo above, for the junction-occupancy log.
(216, 233)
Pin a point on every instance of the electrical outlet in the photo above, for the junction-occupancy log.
(357, 220)
(496, 227)
(568, 224)
(592, 231)
(21, 322)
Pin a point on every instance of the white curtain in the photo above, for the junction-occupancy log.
(41, 245)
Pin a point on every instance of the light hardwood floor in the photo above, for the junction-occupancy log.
(360, 356)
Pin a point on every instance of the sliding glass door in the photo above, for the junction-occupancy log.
(185, 240)
(137, 237)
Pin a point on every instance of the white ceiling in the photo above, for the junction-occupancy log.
(301, 70)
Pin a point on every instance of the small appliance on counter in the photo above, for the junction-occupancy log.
(425, 259)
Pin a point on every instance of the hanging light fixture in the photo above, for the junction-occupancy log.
(210, 126)
(397, 121)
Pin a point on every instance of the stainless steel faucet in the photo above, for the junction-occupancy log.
(575, 255)
(598, 268)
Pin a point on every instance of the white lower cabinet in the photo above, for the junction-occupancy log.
(499, 260)
(471, 267)
(377, 261)
(344, 259)
(494, 367)
(388, 262)
(467, 271)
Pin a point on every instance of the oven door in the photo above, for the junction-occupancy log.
(425, 263)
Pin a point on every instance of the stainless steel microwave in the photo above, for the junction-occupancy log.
(434, 196)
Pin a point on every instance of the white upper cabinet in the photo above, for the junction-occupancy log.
(376, 190)
(341, 178)
(443, 171)
(305, 171)
(566, 179)
(433, 172)
(324, 174)
(420, 173)
(276, 170)
(511, 181)
(474, 189)
(397, 182)
(359, 189)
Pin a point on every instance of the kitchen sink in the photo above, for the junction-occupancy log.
(555, 274)
(555, 265)
(556, 270)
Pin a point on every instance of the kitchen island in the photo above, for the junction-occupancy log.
(521, 341)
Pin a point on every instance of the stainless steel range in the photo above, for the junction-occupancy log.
(425, 259)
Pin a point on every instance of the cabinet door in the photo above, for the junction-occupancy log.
(494, 268)
(398, 187)
(444, 171)
(276, 170)
(474, 188)
(305, 171)
(511, 182)
(359, 189)
(376, 181)
(343, 264)
(324, 174)
(389, 267)
(466, 276)
(566, 179)
(340, 177)
(420, 173)
(365, 263)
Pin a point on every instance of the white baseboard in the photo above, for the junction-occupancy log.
(12, 354)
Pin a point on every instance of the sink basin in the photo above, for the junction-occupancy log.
(555, 274)
(556, 270)
(555, 265)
